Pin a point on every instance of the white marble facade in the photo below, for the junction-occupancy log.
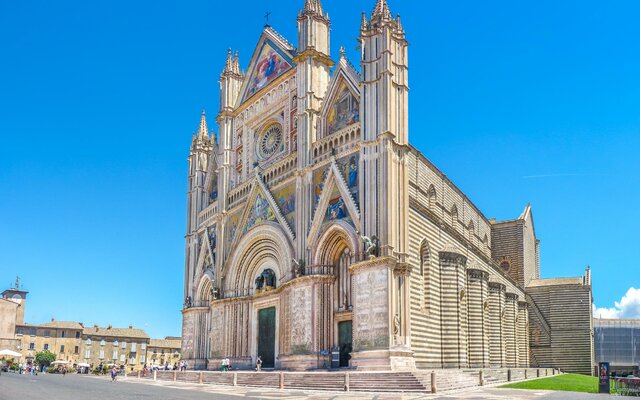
(313, 225)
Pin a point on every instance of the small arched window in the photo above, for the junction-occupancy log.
(505, 265)
(432, 195)
(454, 216)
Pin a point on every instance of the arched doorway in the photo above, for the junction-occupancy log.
(337, 248)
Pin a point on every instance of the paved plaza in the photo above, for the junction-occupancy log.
(56, 387)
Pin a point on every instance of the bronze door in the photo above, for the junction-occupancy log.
(267, 336)
(345, 335)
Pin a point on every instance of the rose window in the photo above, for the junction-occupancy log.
(269, 142)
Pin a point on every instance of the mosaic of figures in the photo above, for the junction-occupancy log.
(286, 199)
(344, 111)
(337, 209)
(233, 226)
(269, 65)
(214, 187)
(259, 214)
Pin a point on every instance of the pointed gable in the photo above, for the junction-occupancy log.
(272, 57)
(342, 103)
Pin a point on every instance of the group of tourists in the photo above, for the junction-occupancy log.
(225, 365)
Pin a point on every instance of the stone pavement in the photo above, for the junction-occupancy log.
(55, 387)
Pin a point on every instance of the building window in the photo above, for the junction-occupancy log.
(46, 346)
(102, 342)
(61, 348)
(115, 355)
(115, 343)
(426, 274)
(32, 332)
(143, 346)
(122, 358)
(134, 347)
(101, 356)
(124, 345)
(77, 335)
(505, 266)
(87, 354)
(76, 350)
(63, 334)
(142, 359)
(454, 216)
(19, 331)
(32, 346)
(47, 333)
(88, 342)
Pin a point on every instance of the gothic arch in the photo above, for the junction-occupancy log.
(432, 196)
(204, 291)
(333, 241)
(266, 246)
(454, 216)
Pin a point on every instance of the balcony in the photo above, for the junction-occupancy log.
(208, 213)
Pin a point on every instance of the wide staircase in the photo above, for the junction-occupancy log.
(411, 381)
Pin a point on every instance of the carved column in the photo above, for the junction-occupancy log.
(478, 318)
(454, 309)
(511, 311)
(497, 357)
(522, 334)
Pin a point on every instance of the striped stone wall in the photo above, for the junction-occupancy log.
(497, 354)
(565, 304)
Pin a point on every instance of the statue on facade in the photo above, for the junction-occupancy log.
(269, 278)
(298, 267)
(187, 302)
(396, 325)
(259, 282)
(371, 246)
(215, 293)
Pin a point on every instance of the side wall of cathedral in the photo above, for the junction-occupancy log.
(465, 312)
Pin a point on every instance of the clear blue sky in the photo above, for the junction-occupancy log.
(516, 102)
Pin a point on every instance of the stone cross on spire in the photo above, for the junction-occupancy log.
(17, 282)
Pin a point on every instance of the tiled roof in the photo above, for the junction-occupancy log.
(166, 343)
(556, 281)
(62, 325)
(115, 332)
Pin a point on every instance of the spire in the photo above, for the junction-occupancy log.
(364, 25)
(399, 22)
(313, 6)
(382, 10)
(228, 67)
(236, 63)
(203, 131)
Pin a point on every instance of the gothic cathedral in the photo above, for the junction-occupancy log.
(315, 229)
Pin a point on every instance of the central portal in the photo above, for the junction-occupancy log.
(267, 336)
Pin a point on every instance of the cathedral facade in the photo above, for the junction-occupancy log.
(313, 226)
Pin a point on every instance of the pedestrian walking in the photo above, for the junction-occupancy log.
(114, 374)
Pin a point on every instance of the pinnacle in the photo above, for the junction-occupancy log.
(382, 10)
(313, 6)
(202, 130)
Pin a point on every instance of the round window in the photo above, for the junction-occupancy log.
(269, 142)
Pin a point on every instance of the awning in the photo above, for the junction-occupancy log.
(9, 353)
(60, 362)
(84, 365)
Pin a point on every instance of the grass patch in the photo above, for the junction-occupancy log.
(566, 382)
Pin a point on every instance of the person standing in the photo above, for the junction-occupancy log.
(114, 373)
(259, 364)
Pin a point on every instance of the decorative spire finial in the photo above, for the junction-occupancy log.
(236, 63)
(229, 64)
(17, 282)
(382, 11)
(202, 130)
(342, 52)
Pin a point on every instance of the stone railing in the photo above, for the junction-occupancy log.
(208, 213)
(280, 171)
(238, 194)
(338, 142)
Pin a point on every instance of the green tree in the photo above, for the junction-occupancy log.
(45, 358)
